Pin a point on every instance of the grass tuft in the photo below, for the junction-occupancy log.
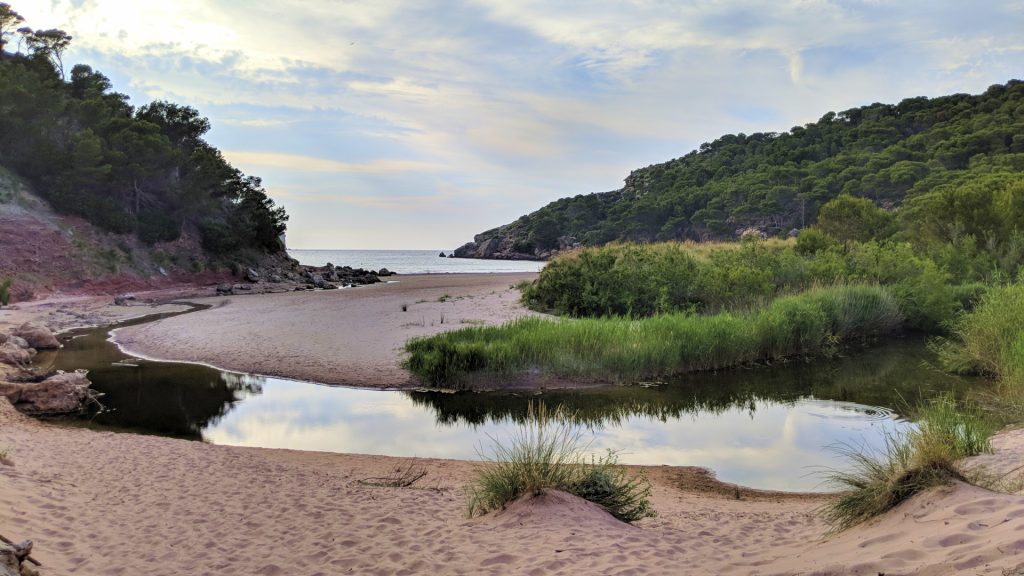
(908, 464)
(546, 453)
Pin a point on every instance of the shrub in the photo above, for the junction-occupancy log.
(546, 454)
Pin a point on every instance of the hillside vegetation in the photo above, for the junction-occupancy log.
(143, 171)
(914, 152)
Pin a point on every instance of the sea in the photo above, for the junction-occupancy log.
(411, 261)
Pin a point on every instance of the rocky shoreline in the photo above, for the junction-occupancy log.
(39, 393)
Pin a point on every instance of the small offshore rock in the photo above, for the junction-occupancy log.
(441, 255)
(38, 337)
(385, 272)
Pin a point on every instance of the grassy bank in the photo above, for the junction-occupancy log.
(990, 341)
(626, 350)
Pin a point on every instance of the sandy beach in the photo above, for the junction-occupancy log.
(102, 503)
(348, 337)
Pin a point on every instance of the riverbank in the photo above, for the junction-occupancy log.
(349, 337)
(107, 503)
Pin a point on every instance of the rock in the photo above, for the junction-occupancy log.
(441, 255)
(275, 278)
(252, 275)
(38, 337)
(14, 355)
(385, 272)
(28, 570)
(241, 287)
(9, 565)
(63, 393)
(12, 339)
(225, 290)
(794, 232)
(123, 299)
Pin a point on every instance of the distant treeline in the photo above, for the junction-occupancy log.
(145, 171)
(778, 181)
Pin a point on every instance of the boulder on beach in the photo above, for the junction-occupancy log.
(14, 355)
(62, 393)
(38, 337)
(9, 565)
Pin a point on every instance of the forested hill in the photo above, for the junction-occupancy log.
(145, 171)
(776, 182)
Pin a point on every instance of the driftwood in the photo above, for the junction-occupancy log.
(22, 550)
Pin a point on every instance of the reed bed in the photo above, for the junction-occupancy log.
(622, 350)
(990, 340)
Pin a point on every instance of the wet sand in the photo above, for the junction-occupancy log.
(348, 337)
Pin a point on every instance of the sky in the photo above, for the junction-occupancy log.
(400, 124)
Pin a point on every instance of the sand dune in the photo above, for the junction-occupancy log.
(105, 503)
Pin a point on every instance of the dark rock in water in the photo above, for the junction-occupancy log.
(63, 393)
(452, 255)
(38, 337)
(225, 290)
(252, 275)
(441, 255)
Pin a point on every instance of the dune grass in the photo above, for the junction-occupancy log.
(627, 350)
(908, 464)
(547, 453)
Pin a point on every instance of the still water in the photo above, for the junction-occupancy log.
(766, 427)
(411, 261)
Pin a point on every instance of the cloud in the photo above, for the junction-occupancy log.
(520, 102)
(312, 164)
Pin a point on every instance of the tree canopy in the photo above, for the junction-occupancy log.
(885, 154)
(145, 171)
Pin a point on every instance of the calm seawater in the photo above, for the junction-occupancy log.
(411, 261)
